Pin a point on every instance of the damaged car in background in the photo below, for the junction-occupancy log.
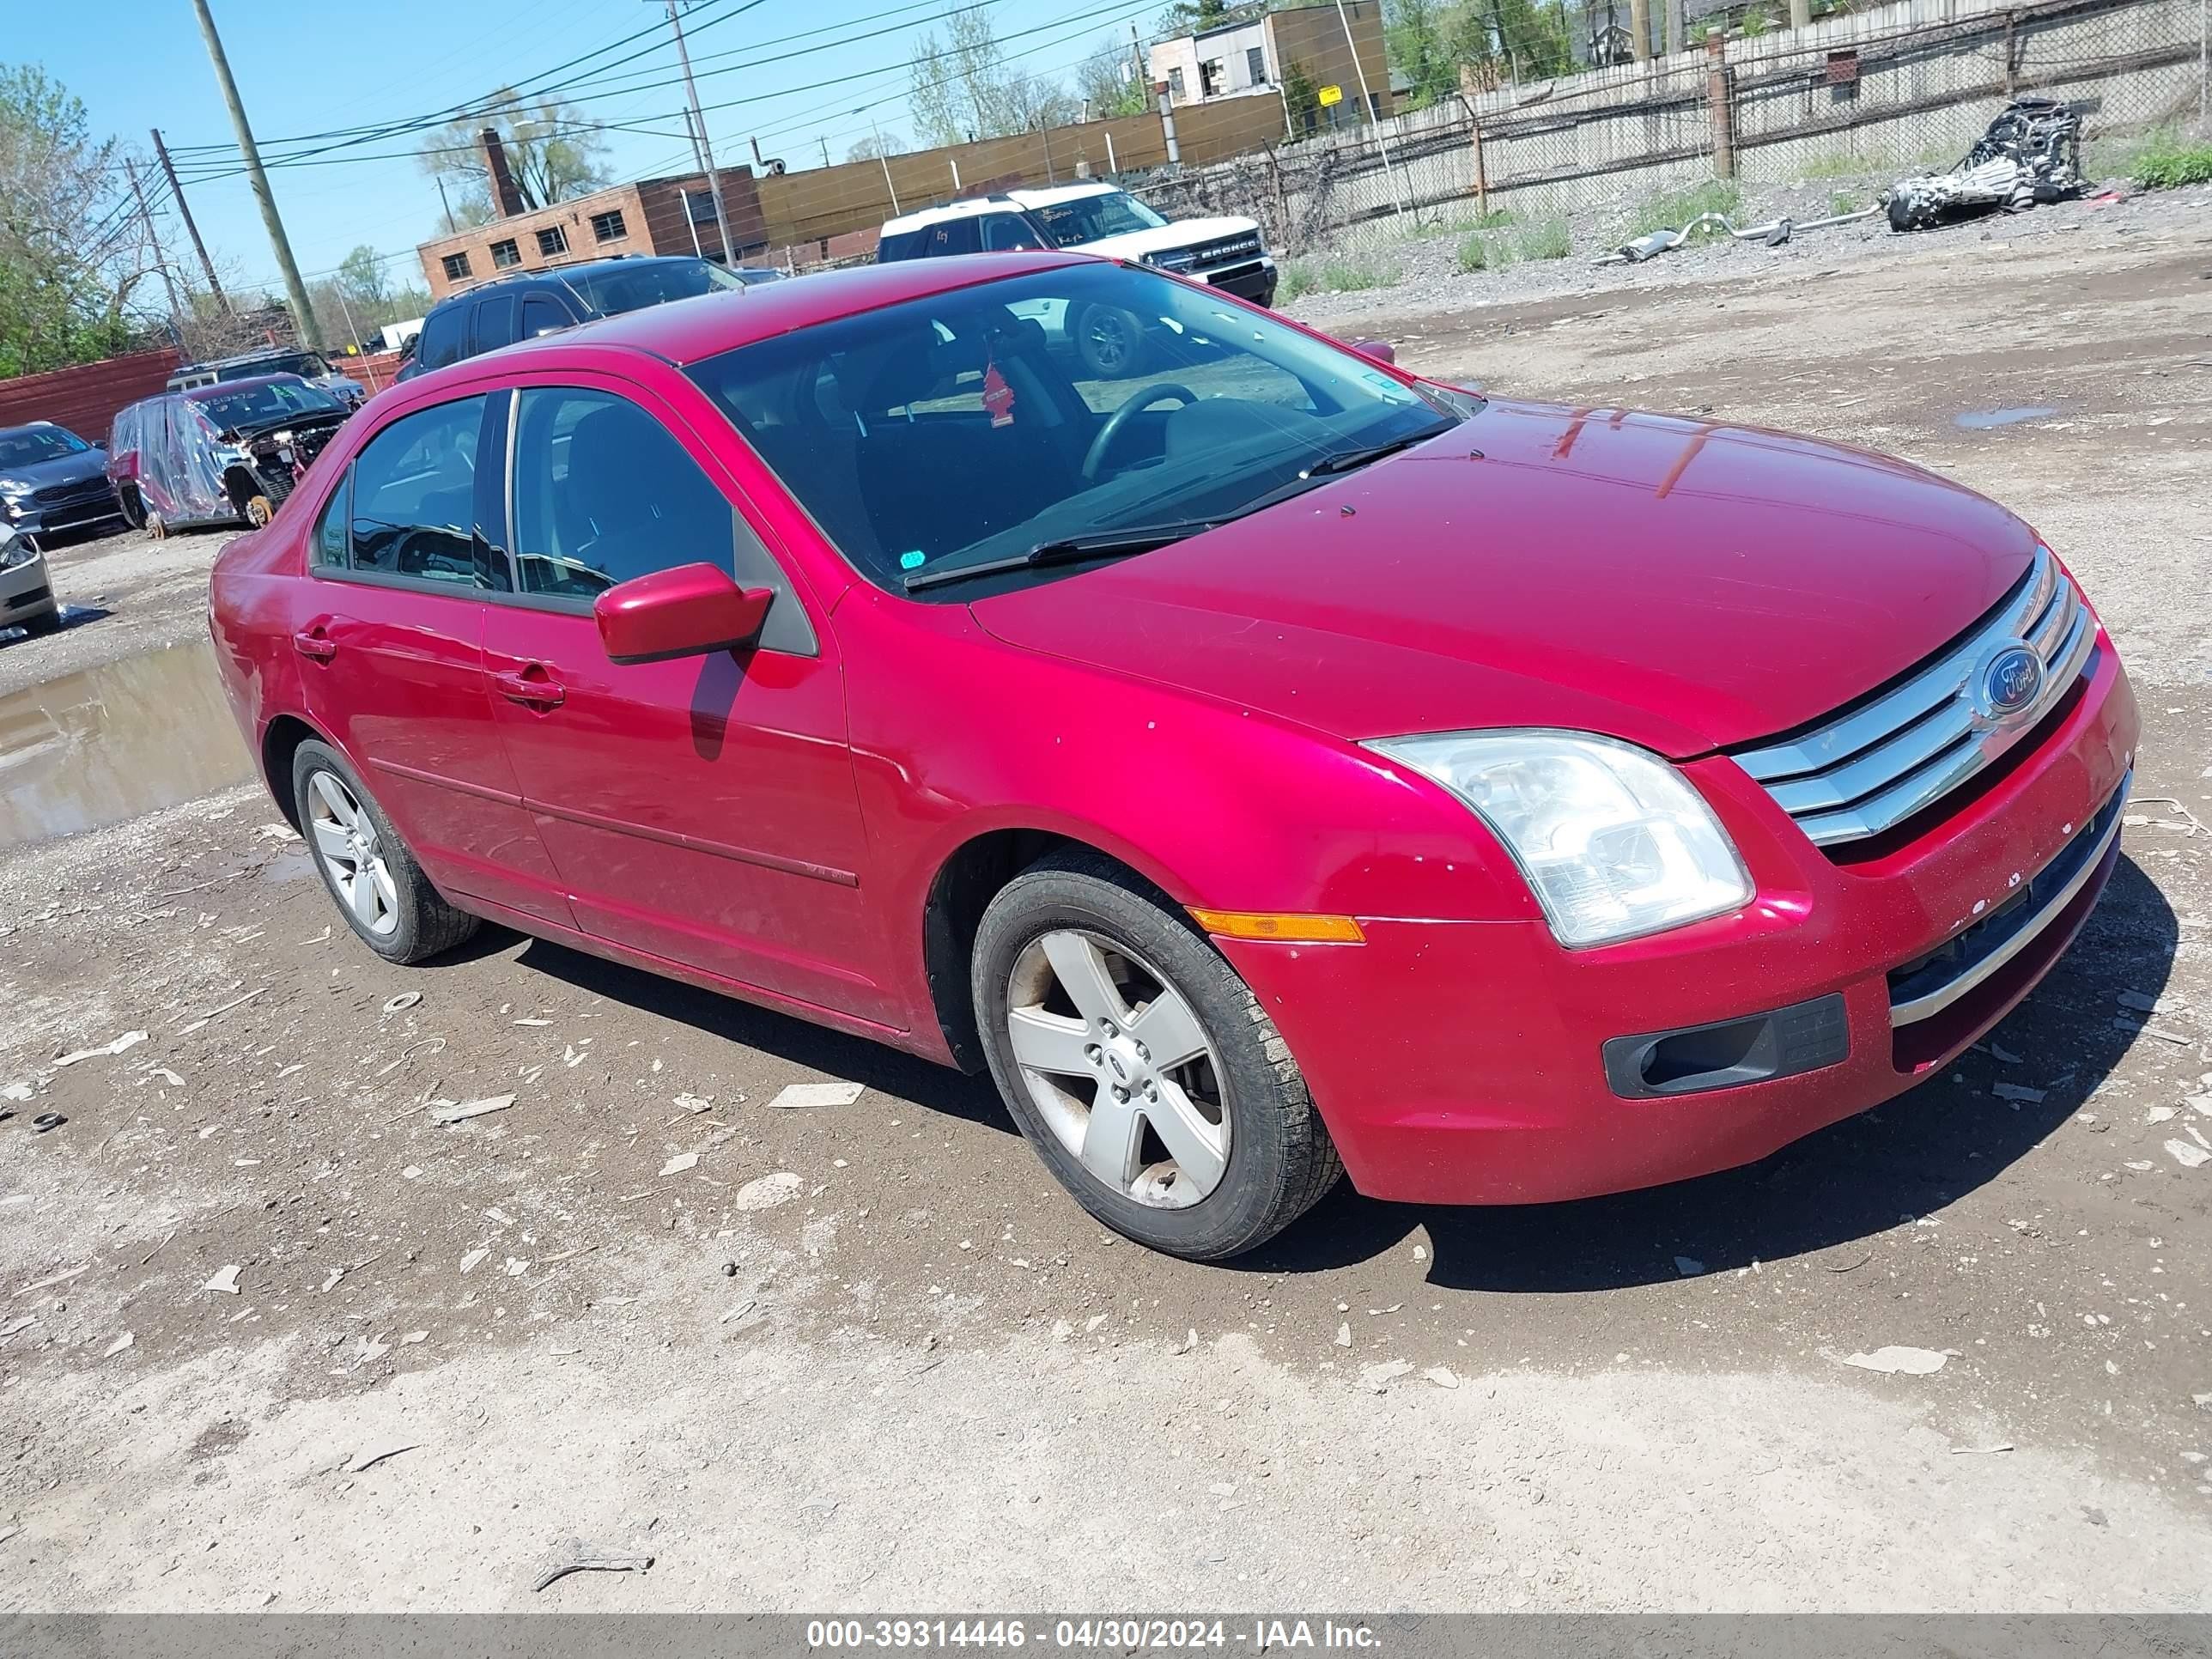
(227, 453)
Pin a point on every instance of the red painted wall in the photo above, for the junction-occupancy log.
(85, 398)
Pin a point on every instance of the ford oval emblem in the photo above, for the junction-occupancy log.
(2010, 681)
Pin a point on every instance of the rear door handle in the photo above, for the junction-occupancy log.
(531, 690)
(314, 645)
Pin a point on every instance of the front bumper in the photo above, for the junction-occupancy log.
(35, 518)
(25, 591)
(1255, 281)
(1464, 1062)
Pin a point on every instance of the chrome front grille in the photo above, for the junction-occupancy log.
(1870, 768)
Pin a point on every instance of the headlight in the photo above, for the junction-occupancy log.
(14, 553)
(1175, 258)
(1613, 841)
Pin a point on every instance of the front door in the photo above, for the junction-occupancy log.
(392, 639)
(702, 809)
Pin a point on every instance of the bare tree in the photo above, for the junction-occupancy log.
(964, 88)
(552, 150)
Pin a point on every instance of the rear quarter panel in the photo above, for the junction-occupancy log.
(250, 597)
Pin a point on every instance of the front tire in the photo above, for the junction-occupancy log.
(1110, 341)
(365, 867)
(128, 504)
(46, 621)
(1139, 1066)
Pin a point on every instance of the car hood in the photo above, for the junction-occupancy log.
(84, 464)
(1680, 584)
(311, 421)
(1183, 233)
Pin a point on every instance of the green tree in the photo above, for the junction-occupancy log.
(964, 88)
(1301, 100)
(875, 144)
(71, 252)
(1415, 33)
(361, 273)
(554, 152)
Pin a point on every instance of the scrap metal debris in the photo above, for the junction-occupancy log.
(224, 1280)
(448, 1114)
(1772, 233)
(370, 1457)
(2031, 153)
(577, 1556)
(128, 1040)
(403, 1002)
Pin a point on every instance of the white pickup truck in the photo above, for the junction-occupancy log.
(1225, 252)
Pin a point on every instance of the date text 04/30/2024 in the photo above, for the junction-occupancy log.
(1119, 1634)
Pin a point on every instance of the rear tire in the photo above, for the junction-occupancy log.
(367, 869)
(46, 621)
(128, 504)
(1279, 1162)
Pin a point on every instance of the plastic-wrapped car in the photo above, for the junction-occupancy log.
(225, 453)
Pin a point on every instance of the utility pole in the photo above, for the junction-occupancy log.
(1137, 58)
(184, 212)
(303, 314)
(1639, 27)
(886, 159)
(1374, 125)
(445, 206)
(706, 144)
(153, 236)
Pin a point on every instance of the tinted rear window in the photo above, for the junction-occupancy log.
(631, 287)
(901, 245)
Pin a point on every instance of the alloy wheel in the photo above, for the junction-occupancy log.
(346, 842)
(1113, 348)
(1121, 1068)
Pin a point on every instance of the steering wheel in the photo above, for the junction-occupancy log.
(1134, 404)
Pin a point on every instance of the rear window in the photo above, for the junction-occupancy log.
(901, 245)
(632, 287)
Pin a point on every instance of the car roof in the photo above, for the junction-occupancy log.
(561, 273)
(999, 202)
(685, 331)
(224, 388)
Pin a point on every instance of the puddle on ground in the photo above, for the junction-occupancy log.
(106, 743)
(1981, 420)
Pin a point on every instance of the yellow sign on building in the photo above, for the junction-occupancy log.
(1330, 95)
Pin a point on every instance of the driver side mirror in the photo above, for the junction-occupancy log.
(1380, 350)
(691, 610)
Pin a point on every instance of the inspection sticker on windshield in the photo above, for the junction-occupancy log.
(998, 396)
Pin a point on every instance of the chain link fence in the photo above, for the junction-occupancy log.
(1591, 158)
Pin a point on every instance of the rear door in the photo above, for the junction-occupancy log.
(702, 809)
(494, 325)
(392, 643)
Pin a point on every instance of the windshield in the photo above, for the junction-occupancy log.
(255, 405)
(619, 288)
(38, 443)
(305, 364)
(975, 424)
(1088, 218)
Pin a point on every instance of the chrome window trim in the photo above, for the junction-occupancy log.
(1871, 769)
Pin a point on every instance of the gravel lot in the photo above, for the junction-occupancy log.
(866, 1355)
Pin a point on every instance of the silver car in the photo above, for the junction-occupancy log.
(26, 599)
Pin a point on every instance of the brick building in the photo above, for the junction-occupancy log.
(1250, 57)
(673, 215)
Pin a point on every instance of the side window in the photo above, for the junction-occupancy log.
(541, 316)
(1004, 231)
(327, 548)
(603, 492)
(441, 336)
(951, 236)
(494, 324)
(414, 496)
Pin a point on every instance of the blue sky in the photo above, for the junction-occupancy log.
(310, 66)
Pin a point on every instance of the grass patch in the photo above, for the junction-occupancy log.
(1546, 239)
(1413, 231)
(1339, 276)
(1672, 210)
(1485, 252)
(2167, 162)
(1842, 164)
(1841, 202)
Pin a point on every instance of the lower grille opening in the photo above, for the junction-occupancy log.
(1727, 1054)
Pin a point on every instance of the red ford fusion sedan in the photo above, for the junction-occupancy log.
(1265, 763)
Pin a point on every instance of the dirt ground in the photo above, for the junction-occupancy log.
(268, 1337)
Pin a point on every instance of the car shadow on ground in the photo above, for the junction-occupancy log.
(935, 1088)
(1911, 1156)
(73, 615)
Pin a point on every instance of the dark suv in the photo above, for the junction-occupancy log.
(522, 307)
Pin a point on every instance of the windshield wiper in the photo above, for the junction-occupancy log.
(1067, 550)
(1347, 461)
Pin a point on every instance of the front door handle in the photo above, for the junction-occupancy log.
(314, 645)
(533, 690)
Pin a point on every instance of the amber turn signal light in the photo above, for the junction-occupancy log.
(1271, 925)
